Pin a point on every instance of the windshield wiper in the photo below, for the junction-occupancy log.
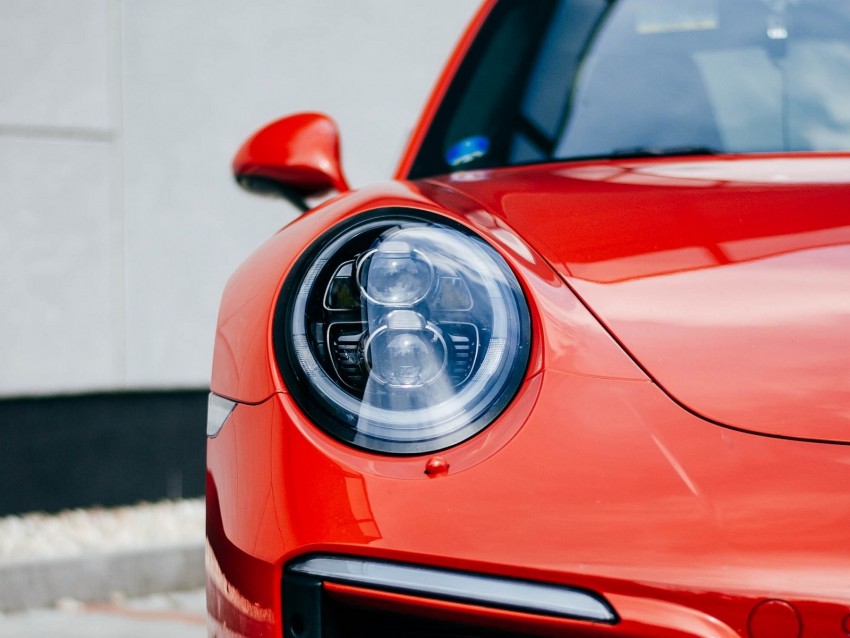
(664, 151)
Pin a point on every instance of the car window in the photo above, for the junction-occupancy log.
(568, 79)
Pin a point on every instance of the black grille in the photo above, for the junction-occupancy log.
(347, 621)
(310, 613)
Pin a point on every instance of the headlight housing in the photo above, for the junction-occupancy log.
(402, 333)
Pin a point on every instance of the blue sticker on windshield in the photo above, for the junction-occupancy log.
(468, 150)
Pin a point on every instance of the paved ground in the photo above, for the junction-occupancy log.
(175, 615)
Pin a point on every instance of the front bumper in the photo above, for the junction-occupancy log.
(587, 484)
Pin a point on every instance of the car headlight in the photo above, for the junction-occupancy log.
(402, 334)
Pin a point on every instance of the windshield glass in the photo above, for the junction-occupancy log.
(566, 79)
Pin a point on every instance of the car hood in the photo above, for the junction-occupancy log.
(727, 280)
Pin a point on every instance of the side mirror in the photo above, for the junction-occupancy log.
(295, 157)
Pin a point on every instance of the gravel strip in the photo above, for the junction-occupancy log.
(96, 554)
(81, 532)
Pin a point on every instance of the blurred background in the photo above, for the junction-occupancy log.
(121, 222)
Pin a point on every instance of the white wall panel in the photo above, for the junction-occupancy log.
(53, 64)
(56, 324)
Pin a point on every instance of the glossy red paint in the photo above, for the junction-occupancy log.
(613, 488)
(774, 619)
(300, 150)
(715, 258)
(605, 481)
(678, 445)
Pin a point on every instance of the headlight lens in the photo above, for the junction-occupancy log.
(402, 334)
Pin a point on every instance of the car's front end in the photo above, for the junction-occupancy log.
(586, 396)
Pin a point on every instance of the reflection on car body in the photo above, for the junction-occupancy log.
(581, 369)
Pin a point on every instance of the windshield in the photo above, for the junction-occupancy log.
(556, 80)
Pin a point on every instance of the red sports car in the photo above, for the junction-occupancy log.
(581, 369)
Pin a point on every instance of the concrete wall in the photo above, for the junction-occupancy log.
(118, 120)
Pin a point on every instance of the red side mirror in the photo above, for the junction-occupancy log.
(294, 157)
